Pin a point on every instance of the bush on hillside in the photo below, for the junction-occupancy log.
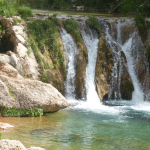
(73, 28)
(25, 12)
(8, 8)
(92, 22)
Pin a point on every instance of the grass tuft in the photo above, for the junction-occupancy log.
(25, 12)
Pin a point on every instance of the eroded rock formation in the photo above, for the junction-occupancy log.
(19, 85)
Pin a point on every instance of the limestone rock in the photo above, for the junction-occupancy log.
(5, 126)
(103, 68)
(21, 50)
(31, 93)
(21, 93)
(82, 59)
(15, 145)
(8, 70)
(5, 58)
(16, 36)
(6, 22)
(11, 145)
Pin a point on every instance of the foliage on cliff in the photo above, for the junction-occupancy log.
(92, 22)
(73, 28)
(45, 45)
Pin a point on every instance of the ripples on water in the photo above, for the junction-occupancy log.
(115, 125)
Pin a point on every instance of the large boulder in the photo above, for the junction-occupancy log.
(15, 91)
(15, 145)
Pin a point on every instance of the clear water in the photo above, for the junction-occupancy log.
(125, 127)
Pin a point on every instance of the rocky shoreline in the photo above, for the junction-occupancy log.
(16, 145)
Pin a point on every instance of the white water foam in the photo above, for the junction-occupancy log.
(137, 95)
(93, 102)
(91, 41)
(71, 51)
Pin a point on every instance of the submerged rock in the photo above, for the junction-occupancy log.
(5, 126)
(15, 145)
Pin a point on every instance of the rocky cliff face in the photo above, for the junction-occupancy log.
(82, 59)
(112, 76)
(19, 74)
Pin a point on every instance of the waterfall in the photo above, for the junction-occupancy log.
(71, 51)
(126, 51)
(137, 95)
(91, 41)
(128, 47)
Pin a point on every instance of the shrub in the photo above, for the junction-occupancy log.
(25, 12)
(140, 20)
(73, 28)
(92, 22)
(148, 50)
(14, 112)
(44, 38)
(141, 24)
(8, 8)
(71, 25)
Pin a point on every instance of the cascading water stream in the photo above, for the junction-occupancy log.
(71, 51)
(127, 48)
(91, 40)
(137, 95)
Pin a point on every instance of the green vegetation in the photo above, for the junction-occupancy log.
(10, 93)
(25, 12)
(8, 8)
(44, 43)
(14, 112)
(44, 36)
(142, 25)
(108, 6)
(73, 28)
(0, 136)
(148, 51)
(92, 22)
(17, 21)
(56, 20)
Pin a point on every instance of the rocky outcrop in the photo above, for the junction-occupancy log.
(20, 55)
(112, 78)
(15, 145)
(25, 93)
(103, 68)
